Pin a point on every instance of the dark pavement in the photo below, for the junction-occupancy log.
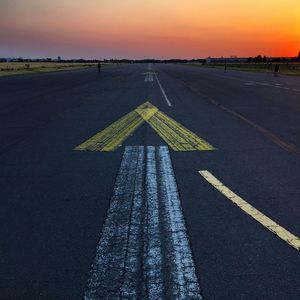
(54, 200)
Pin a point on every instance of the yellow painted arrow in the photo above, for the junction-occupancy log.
(174, 134)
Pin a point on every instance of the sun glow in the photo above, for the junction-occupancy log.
(138, 29)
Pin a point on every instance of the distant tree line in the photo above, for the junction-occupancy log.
(114, 60)
(77, 60)
(172, 60)
(255, 59)
(264, 59)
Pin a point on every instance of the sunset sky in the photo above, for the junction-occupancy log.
(149, 28)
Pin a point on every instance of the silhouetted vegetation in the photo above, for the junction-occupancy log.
(259, 63)
(256, 59)
(113, 60)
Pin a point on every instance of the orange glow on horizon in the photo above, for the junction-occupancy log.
(140, 29)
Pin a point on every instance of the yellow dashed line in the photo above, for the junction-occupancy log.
(285, 235)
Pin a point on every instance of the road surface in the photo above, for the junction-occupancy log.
(177, 199)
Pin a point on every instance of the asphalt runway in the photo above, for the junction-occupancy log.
(124, 212)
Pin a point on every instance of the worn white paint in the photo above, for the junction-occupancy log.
(144, 250)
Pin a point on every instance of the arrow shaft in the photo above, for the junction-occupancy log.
(144, 250)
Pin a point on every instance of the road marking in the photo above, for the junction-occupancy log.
(174, 134)
(113, 255)
(152, 256)
(279, 141)
(110, 138)
(149, 77)
(163, 91)
(144, 250)
(282, 233)
(272, 84)
(177, 136)
(146, 111)
(267, 133)
(264, 84)
(180, 260)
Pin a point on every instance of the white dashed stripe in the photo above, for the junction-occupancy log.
(163, 91)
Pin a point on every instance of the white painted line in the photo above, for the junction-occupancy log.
(152, 253)
(245, 81)
(112, 251)
(144, 251)
(130, 285)
(183, 279)
(268, 223)
(263, 84)
(163, 91)
(149, 77)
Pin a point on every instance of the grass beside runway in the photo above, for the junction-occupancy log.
(15, 68)
(292, 69)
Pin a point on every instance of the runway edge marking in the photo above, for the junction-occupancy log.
(268, 223)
